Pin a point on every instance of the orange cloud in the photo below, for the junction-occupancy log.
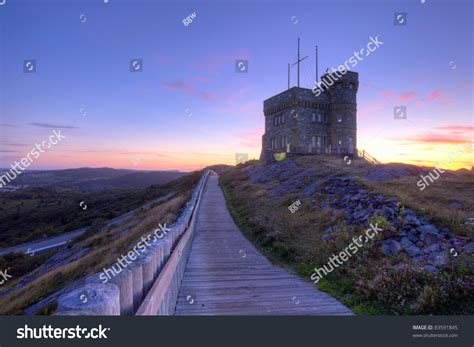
(407, 96)
(436, 95)
(457, 128)
(437, 139)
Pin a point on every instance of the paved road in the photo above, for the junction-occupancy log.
(226, 275)
(59, 240)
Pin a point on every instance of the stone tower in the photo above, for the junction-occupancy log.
(299, 121)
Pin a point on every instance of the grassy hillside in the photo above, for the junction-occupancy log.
(41, 276)
(370, 282)
(33, 213)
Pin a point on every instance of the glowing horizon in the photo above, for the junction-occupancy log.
(189, 108)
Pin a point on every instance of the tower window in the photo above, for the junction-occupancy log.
(325, 118)
(283, 142)
(274, 143)
(277, 120)
(339, 118)
(314, 117)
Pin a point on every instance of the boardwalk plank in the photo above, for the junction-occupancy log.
(227, 275)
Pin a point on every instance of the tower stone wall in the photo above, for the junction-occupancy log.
(297, 121)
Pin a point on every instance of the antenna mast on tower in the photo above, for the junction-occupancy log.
(317, 77)
(298, 62)
(288, 75)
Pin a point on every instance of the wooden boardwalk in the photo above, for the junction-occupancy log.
(226, 275)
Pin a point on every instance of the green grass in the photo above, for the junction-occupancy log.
(284, 255)
(368, 282)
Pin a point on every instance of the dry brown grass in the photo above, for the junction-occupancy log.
(292, 235)
(294, 240)
(449, 201)
(106, 246)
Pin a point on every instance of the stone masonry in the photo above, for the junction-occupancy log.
(299, 122)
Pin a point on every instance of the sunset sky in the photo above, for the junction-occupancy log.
(188, 108)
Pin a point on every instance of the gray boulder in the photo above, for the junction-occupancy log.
(469, 248)
(412, 220)
(430, 268)
(438, 259)
(412, 236)
(327, 237)
(390, 247)
(432, 249)
(409, 247)
(429, 228)
(429, 234)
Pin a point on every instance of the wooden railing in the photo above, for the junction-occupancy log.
(364, 155)
(162, 298)
(149, 285)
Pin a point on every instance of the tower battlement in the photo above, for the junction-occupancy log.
(301, 121)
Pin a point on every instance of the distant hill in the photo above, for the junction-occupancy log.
(52, 205)
(92, 179)
(220, 168)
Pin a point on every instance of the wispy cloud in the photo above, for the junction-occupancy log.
(387, 94)
(16, 144)
(436, 95)
(456, 128)
(213, 62)
(251, 137)
(187, 87)
(407, 96)
(466, 86)
(156, 154)
(435, 139)
(7, 125)
(53, 126)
